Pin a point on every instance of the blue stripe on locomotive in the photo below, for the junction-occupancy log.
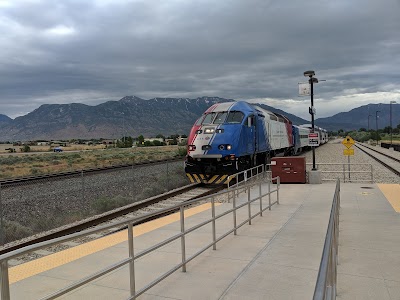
(240, 136)
(296, 137)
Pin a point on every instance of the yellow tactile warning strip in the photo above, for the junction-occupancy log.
(52, 261)
(392, 194)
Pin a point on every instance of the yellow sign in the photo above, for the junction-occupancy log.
(348, 142)
(348, 151)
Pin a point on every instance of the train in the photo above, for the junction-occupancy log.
(231, 137)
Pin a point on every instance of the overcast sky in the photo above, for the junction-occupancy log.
(94, 51)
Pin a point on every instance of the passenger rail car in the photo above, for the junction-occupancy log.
(235, 136)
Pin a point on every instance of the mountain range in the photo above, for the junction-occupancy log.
(133, 116)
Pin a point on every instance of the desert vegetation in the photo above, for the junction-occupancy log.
(12, 166)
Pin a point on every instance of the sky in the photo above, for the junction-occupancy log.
(92, 51)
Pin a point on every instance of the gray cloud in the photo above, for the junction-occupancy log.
(92, 51)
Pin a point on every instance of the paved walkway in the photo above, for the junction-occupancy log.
(369, 243)
(277, 257)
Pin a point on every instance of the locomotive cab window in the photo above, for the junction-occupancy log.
(199, 121)
(208, 119)
(273, 117)
(220, 118)
(235, 117)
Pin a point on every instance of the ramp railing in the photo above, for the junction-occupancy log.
(255, 192)
(325, 288)
(347, 172)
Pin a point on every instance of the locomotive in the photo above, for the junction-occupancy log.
(234, 136)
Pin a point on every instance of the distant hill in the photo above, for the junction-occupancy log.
(133, 116)
(130, 116)
(358, 118)
(5, 119)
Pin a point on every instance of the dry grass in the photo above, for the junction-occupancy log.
(21, 165)
(388, 142)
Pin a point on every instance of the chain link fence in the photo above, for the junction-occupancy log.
(27, 208)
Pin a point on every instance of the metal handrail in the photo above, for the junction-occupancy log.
(251, 197)
(325, 287)
(345, 172)
(247, 175)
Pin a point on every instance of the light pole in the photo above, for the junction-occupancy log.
(368, 121)
(311, 81)
(391, 128)
(376, 119)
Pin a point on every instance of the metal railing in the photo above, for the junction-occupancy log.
(246, 175)
(253, 195)
(325, 287)
(346, 170)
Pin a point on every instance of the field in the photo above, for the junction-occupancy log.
(20, 165)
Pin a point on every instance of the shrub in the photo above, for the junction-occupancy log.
(181, 152)
(34, 171)
(15, 231)
(104, 204)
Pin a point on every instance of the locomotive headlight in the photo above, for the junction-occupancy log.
(192, 147)
(209, 130)
(221, 147)
(228, 147)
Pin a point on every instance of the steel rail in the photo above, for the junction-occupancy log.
(397, 172)
(384, 154)
(95, 221)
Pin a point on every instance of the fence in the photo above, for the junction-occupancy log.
(32, 208)
(254, 193)
(331, 171)
(326, 282)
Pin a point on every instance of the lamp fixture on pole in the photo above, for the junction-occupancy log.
(311, 81)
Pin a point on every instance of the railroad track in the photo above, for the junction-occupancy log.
(137, 209)
(390, 162)
(34, 179)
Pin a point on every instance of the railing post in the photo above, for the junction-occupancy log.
(183, 247)
(278, 184)
(269, 193)
(2, 230)
(5, 284)
(259, 192)
(344, 173)
(372, 175)
(234, 212)
(132, 262)
(249, 203)
(213, 223)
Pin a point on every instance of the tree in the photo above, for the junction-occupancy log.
(386, 129)
(140, 140)
(158, 143)
(375, 136)
(362, 129)
(26, 148)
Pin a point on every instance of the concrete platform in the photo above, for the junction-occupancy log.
(369, 243)
(277, 257)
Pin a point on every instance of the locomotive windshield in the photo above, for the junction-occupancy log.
(235, 117)
(232, 117)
